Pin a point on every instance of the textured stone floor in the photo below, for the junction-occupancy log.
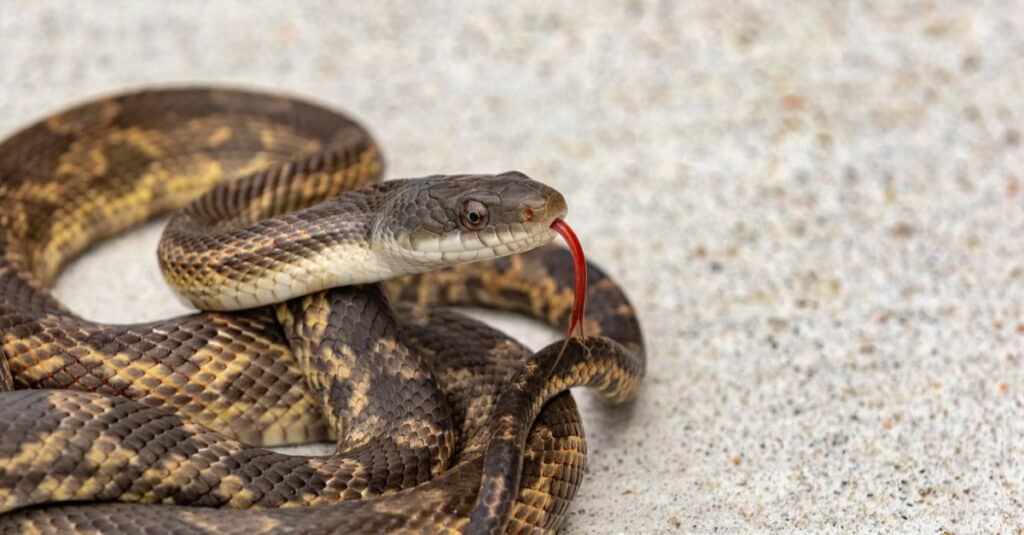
(816, 207)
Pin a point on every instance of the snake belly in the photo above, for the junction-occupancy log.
(176, 412)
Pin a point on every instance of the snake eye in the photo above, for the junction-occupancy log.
(474, 214)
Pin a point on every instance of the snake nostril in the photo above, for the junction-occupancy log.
(528, 213)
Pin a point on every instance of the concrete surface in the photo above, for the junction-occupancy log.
(815, 206)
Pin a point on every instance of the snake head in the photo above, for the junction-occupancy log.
(443, 220)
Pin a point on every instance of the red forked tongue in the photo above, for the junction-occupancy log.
(579, 264)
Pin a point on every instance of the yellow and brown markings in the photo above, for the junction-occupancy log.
(175, 411)
(373, 388)
(105, 448)
(81, 119)
(234, 374)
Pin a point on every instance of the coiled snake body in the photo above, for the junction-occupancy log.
(441, 422)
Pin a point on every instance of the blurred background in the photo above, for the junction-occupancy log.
(815, 206)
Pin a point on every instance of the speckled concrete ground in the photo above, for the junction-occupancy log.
(816, 208)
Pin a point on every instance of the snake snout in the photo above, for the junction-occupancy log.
(530, 202)
(546, 212)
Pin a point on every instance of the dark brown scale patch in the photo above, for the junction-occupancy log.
(516, 298)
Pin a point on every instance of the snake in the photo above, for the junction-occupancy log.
(325, 298)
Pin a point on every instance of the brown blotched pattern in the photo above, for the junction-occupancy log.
(442, 423)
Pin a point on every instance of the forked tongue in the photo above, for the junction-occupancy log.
(579, 263)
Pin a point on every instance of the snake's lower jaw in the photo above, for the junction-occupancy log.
(432, 252)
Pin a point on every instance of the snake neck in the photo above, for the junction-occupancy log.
(220, 255)
(306, 254)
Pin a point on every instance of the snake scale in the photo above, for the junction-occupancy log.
(325, 296)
